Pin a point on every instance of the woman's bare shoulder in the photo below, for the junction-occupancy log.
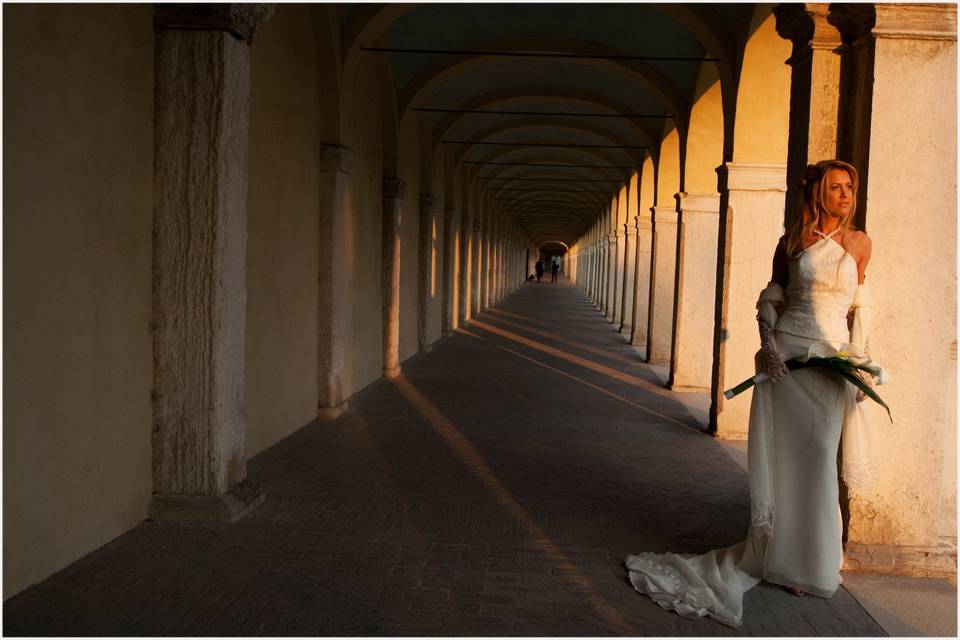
(858, 244)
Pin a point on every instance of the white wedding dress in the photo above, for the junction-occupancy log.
(794, 537)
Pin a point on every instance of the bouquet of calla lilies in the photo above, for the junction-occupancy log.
(849, 360)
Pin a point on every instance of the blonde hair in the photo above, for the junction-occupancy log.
(814, 189)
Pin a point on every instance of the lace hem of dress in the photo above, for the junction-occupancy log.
(680, 596)
(761, 518)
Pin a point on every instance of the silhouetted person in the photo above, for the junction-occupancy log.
(554, 268)
(539, 270)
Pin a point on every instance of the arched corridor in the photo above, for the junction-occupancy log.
(271, 305)
(496, 497)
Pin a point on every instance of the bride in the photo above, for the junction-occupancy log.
(816, 295)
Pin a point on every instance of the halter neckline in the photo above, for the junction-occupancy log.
(826, 235)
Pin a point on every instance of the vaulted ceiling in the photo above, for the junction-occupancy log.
(550, 107)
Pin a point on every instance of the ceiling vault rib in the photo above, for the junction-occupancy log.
(499, 112)
(538, 54)
(548, 144)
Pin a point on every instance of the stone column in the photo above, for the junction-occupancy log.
(618, 251)
(393, 192)
(451, 228)
(425, 270)
(908, 525)
(477, 257)
(201, 120)
(488, 264)
(629, 277)
(662, 285)
(691, 362)
(750, 225)
(814, 88)
(464, 284)
(333, 325)
(641, 296)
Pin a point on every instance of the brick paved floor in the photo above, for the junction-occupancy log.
(493, 489)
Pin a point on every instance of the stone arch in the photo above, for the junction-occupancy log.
(751, 211)
(705, 134)
(761, 118)
(669, 170)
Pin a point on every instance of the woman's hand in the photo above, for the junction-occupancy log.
(772, 356)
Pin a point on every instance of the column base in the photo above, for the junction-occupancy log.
(332, 413)
(688, 388)
(391, 372)
(426, 348)
(627, 329)
(902, 560)
(237, 503)
(447, 334)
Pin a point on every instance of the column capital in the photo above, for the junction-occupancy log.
(664, 215)
(238, 19)
(742, 176)
(915, 21)
(643, 221)
(806, 25)
(700, 202)
(334, 157)
(427, 202)
(394, 188)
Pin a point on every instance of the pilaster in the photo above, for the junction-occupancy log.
(202, 97)
(394, 191)
(690, 365)
(333, 324)
(663, 279)
(426, 292)
(814, 88)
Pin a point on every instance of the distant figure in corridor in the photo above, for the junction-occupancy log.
(554, 268)
(539, 268)
(816, 298)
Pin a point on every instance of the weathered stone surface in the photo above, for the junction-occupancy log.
(752, 223)
(199, 261)
(663, 281)
(393, 193)
(332, 319)
(690, 366)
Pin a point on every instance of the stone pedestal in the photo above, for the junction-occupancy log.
(451, 238)
(908, 525)
(629, 278)
(814, 89)
(641, 296)
(333, 293)
(393, 193)
(662, 281)
(425, 271)
(690, 367)
(617, 251)
(202, 82)
(464, 285)
(610, 277)
(750, 224)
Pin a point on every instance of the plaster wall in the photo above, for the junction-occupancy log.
(363, 133)
(282, 246)
(78, 178)
(913, 277)
(409, 172)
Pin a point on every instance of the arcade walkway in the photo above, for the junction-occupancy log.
(493, 489)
